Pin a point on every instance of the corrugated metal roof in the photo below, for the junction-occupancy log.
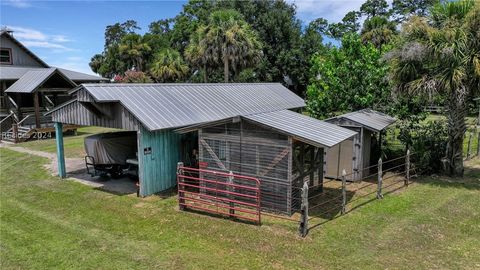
(162, 106)
(15, 73)
(33, 79)
(374, 120)
(81, 77)
(303, 127)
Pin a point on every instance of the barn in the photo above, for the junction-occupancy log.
(354, 155)
(249, 129)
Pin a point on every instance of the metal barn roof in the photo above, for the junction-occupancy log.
(371, 119)
(303, 127)
(33, 79)
(163, 106)
(15, 73)
(81, 77)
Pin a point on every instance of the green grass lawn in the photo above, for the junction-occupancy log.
(73, 144)
(50, 223)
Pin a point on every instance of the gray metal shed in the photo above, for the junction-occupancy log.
(354, 155)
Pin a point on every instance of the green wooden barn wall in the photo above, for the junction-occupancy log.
(158, 155)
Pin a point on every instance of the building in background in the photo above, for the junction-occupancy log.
(29, 87)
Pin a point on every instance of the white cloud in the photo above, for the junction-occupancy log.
(35, 38)
(332, 10)
(17, 3)
(27, 33)
(44, 44)
(60, 38)
(75, 59)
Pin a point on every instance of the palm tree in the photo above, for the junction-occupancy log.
(378, 30)
(195, 52)
(134, 50)
(96, 62)
(168, 66)
(441, 54)
(227, 39)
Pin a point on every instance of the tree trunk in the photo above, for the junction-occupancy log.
(456, 131)
(225, 68)
(205, 73)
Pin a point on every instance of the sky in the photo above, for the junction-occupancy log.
(68, 33)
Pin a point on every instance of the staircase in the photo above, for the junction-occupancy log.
(23, 134)
(14, 129)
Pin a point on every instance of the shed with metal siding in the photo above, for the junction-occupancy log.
(355, 156)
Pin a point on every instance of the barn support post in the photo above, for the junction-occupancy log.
(60, 150)
(320, 176)
(339, 158)
(15, 132)
(380, 140)
(36, 104)
(313, 162)
(303, 228)
(380, 180)
(407, 168)
(181, 200)
(344, 191)
(230, 189)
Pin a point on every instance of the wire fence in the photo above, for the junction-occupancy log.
(342, 196)
(329, 199)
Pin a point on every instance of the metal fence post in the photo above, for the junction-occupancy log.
(181, 200)
(303, 228)
(344, 191)
(230, 189)
(380, 179)
(407, 168)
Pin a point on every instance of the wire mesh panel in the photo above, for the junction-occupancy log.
(250, 150)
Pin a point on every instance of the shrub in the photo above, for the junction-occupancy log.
(428, 143)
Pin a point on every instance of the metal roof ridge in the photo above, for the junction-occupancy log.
(99, 77)
(174, 84)
(301, 114)
(50, 72)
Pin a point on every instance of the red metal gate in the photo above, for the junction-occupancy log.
(219, 193)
